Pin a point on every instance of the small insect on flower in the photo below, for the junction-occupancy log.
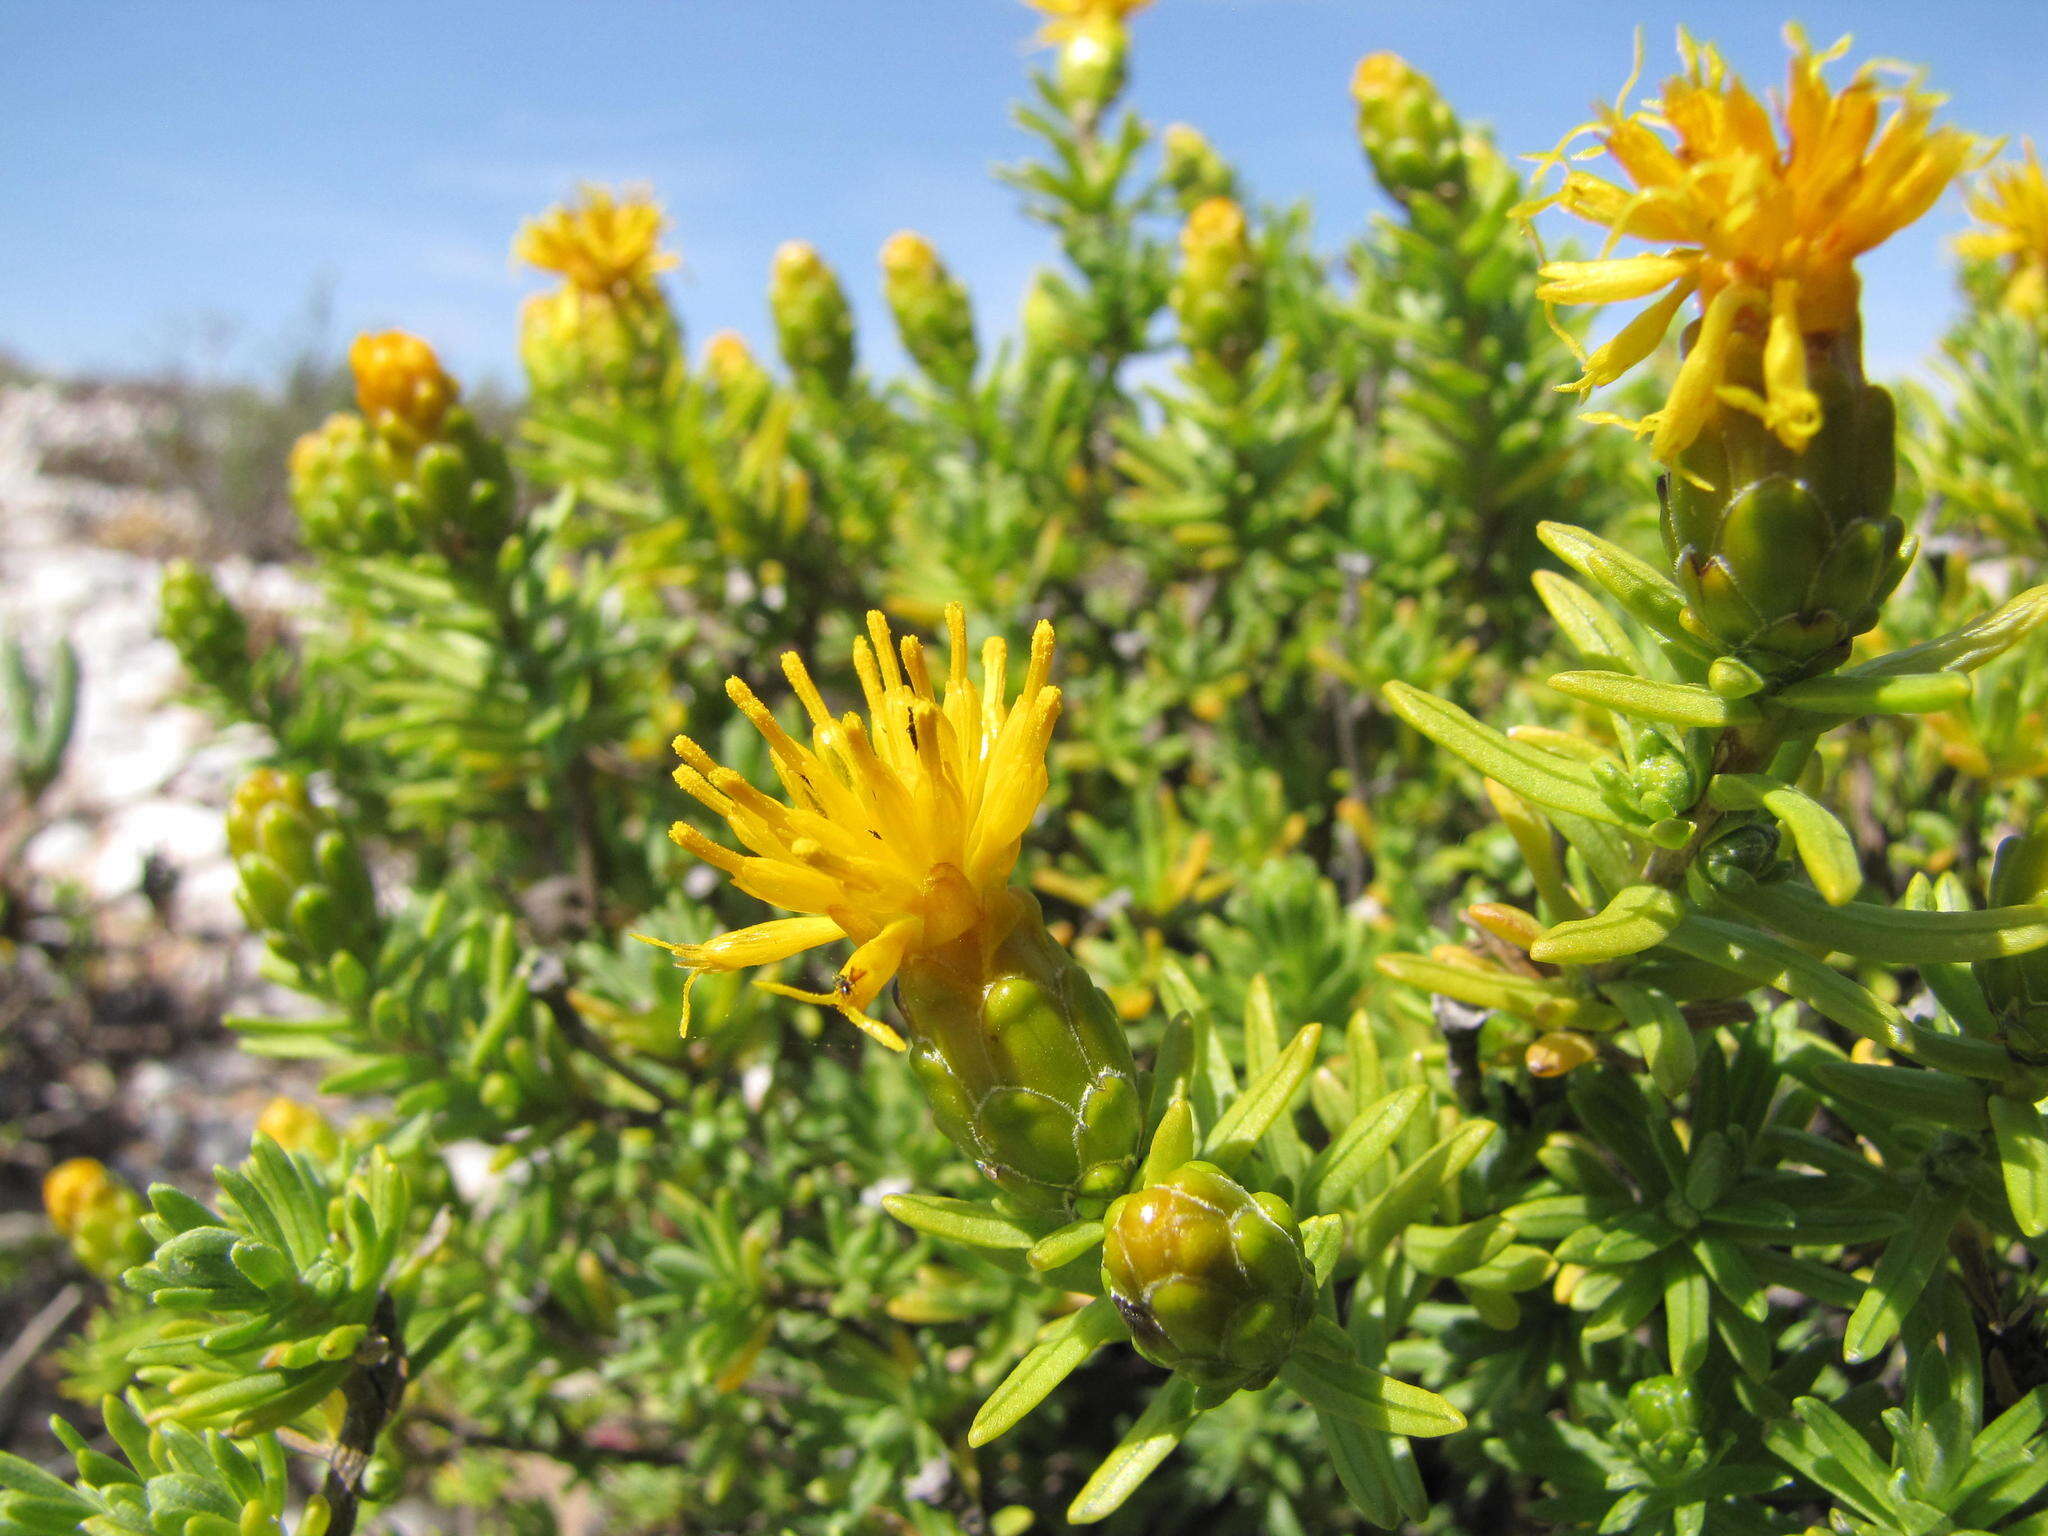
(1764, 229)
(604, 243)
(899, 832)
(2012, 205)
(400, 381)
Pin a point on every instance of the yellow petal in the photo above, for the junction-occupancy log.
(1613, 280)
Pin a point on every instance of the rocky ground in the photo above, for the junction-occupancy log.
(130, 947)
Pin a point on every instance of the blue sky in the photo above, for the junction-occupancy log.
(173, 172)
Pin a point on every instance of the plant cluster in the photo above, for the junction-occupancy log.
(1443, 1000)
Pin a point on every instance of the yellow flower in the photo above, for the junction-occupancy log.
(1071, 18)
(75, 1189)
(900, 831)
(604, 243)
(399, 379)
(1764, 232)
(2013, 204)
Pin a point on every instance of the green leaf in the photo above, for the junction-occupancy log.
(1822, 1444)
(1540, 1000)
(1051, 1361)
(2022, 1136)
(1687, 1307)
(1897, 693)
(1894, 935)
(1414, 1194)
(1146, 1444)
(1367, 1478)
(1589, 627)
(1264, 1099)
(1645, 594)
(1322, 1240)
(1357, 1392)
(1771, 962)
(1637, 919)
(1902, 1273)
(1911, 1092)
(1824, 844)
(1661, 1034)
(1173, 1143)
(1535, 775)
(1646, 698)
(1362, 1143)
(1064, 1246)
(958, 1221)
(1448, 1251)
(1967, 648)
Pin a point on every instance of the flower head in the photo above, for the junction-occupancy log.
(604, 243)
(730, 361)
(1073, 17)
(1762, 221)
(399, 379)
(2012, 205)
(899, 831)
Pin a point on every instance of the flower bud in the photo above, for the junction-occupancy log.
(1407, 129)
(1786, 554)
(933, 314)
(2016, 986)
(304, 885)
(299, 1127)
(1210, 1278)
(731, 365)
(1559, 1052)
(1052, 322)
(1664, 1418)
(609, 326)
(1025, 1065)
(1093, 64)
(1220, 298)
(1193, 168)
(99, 1215)
(208, 631)
(400, 382)
(813, 323)
(342, 492)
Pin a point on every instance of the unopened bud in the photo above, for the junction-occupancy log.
(731, 365)
(813, 322)
(1093, 64)
(933, 314)
(1407, 130)
(208, 631)
(1193, 168)
(1220, 297)
(303, 884)
(1210, 1278)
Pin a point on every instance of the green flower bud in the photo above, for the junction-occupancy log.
(304, 884)
(1664, 1418)
(2016, 986)
(1785, 555)
(1093, 64)
(1052, 321)
(813, 322)
(933, 314)
(1210, 1278)
(342, 492)
(209, 632)
(1220, 298)
(1193, 168)
(1025, 1066)
(1408, 131)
